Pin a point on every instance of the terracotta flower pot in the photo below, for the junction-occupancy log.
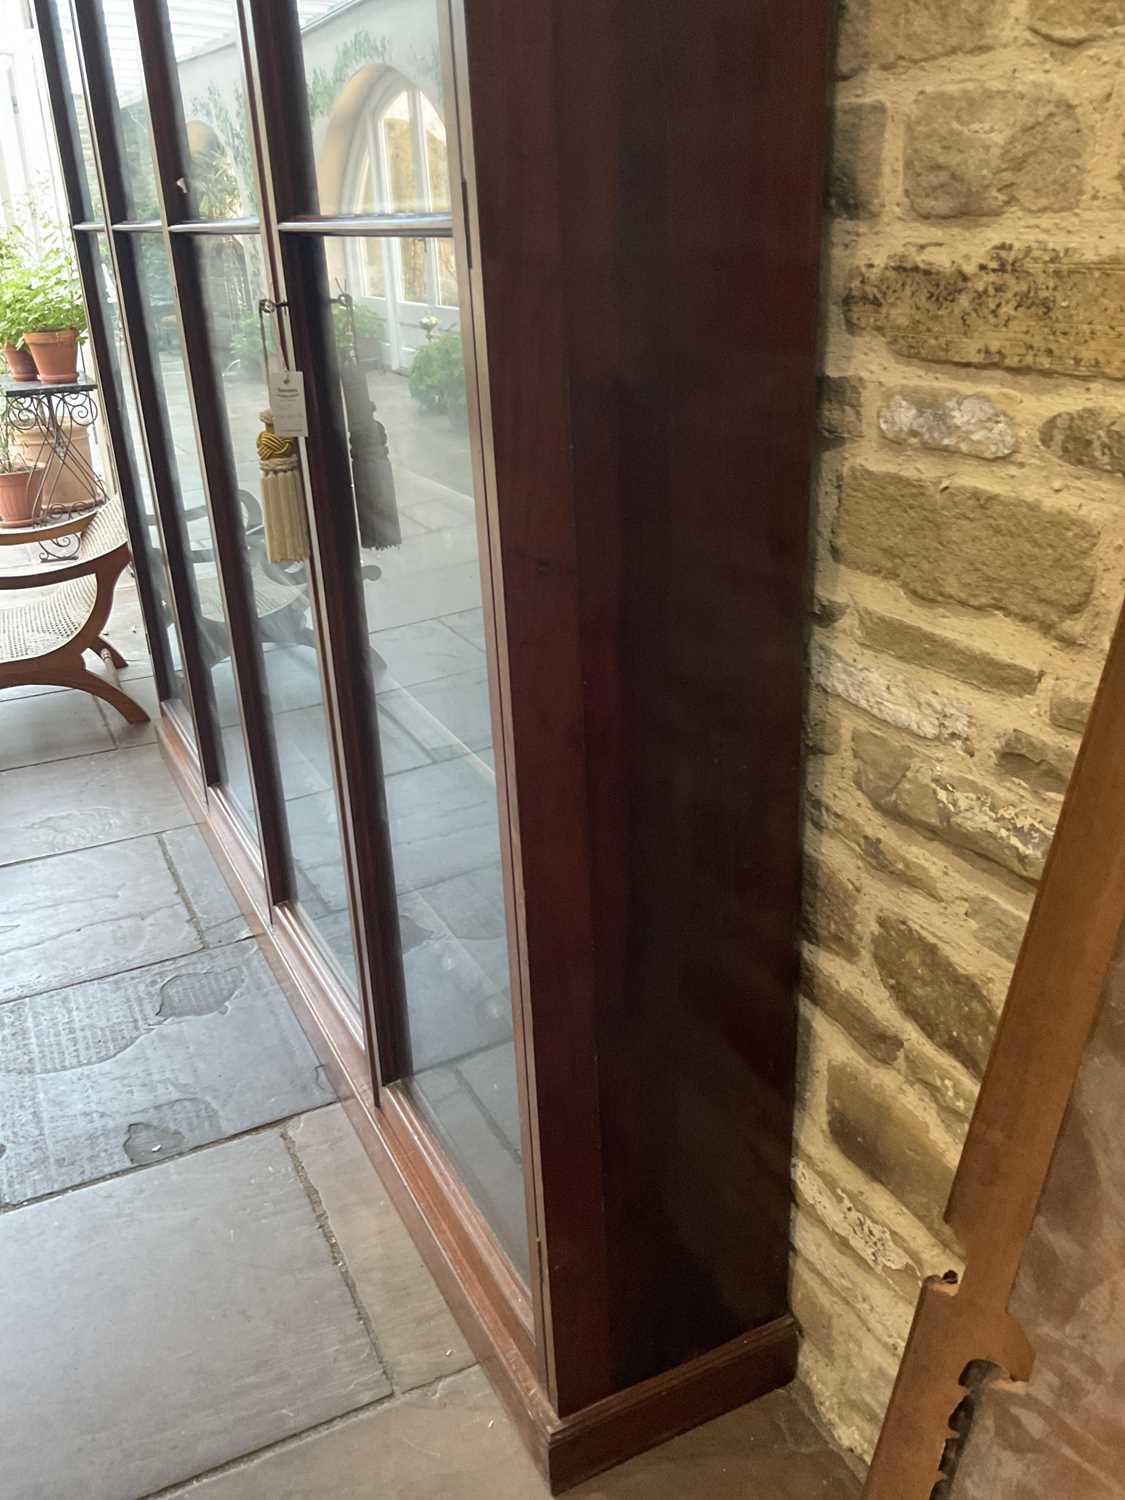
(17, 496)
(55, 352)
(21, 366)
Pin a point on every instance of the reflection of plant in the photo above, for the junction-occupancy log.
(214, 181)
(437, 376)
(236, 138)
(323, 86)
(246, 339)
(140, 175)
(369, 328)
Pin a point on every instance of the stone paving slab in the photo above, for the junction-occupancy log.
(89, 800)
(131, 1070)
(162, 1324)
(415, 1331)
(209, 899)
(50, 727)
(88, 913)
(453, 1441)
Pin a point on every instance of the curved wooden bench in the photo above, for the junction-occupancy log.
(44, 640)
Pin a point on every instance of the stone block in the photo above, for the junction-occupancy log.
(964, 813)
(1071, 705)
(855, 189)
(1026, 309)
(831, 909)
(880, 33)
(1074, 21)
(947, 422)
(823, 733)
(923, 647)
(976, 151)
(1091, 438)
(1036, 762)
(948, 1089)
(998, 927)
(941, 998)
(967, 546)
(877, 1133)
(820, 1192)
(896, 700)
(841, 406)
(849, 1012)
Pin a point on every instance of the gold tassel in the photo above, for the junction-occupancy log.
(283, 495)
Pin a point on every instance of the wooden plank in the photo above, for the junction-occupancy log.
(1051, 1009)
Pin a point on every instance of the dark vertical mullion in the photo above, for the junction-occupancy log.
(212, 429)
(93, 56)
(288, 183)
(124, 460)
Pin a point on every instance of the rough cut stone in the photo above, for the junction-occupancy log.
(841, 406)
(881, 1137)
(962, 812)
(1070, 706)
(848, 1011)
(1028, 309)
(884, 32)
(975, 151)
(823, 734)
(1075, 21)
(948, 422)
(998, 927)
(926, 648)
(946, 1002)
(1090, 438)
(896, 700)
(821, 1193)
(952, 1095)
(855, 189)
(967, 546)
(831, 906)
(1039, 764)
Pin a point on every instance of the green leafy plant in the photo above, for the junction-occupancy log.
(12, 459)
(41, 296)
(437, 376)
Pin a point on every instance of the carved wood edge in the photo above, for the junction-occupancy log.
(1051, 1009)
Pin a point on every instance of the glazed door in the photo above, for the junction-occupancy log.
(372, 257)
(283, 193)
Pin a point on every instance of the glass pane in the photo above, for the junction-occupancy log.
(373, 74)
(87, 169)
(422, 589)
(232, 281)
(153, 559)
(221, 174)
(162, 328)
(131, 122)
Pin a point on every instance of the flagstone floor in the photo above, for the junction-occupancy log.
(203, 1288)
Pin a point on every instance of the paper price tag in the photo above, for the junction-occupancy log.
(287, 402)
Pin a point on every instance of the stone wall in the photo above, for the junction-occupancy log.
(970, 562)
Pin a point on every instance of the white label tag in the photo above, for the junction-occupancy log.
(287, 402)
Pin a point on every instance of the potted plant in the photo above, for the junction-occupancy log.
(17, 493)
(14, 292)
(56, 317)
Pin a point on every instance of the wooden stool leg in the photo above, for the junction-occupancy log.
(90, 682)
(103, 648)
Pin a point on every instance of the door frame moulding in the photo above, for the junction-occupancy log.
(1050, 1012)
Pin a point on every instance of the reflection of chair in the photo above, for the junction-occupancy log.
(280, 597)
(45, 640)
